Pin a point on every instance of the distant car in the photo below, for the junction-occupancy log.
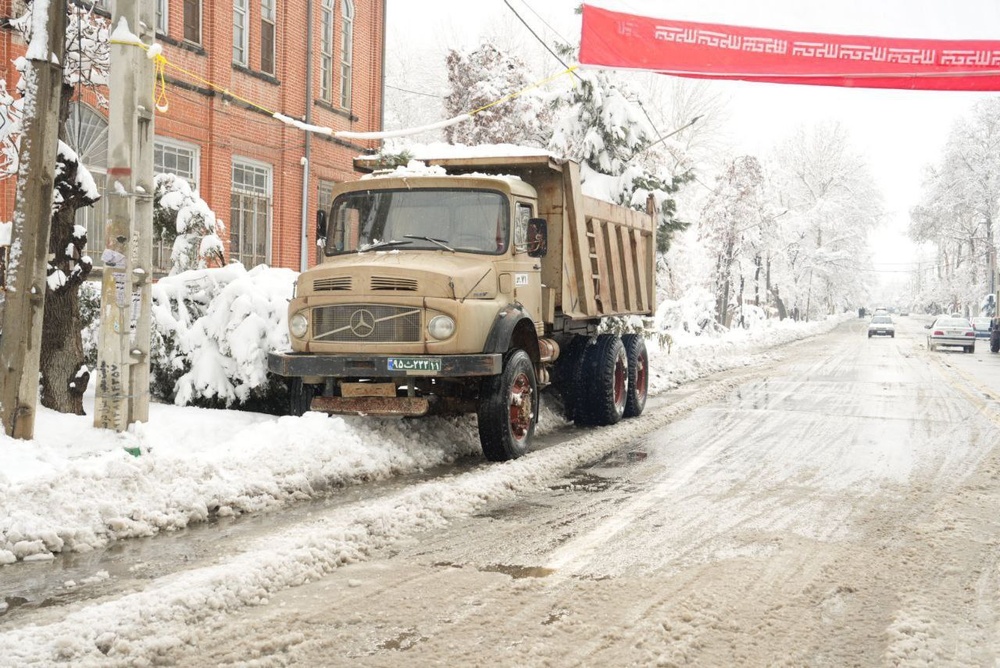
(904, 312)
(950, 331)
(982, 327)
(881, 325)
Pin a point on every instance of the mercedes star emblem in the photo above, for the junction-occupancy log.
(362, 323)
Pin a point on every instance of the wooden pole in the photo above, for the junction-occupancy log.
(24, 309)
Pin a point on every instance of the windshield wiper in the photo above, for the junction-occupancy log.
(443, 243)
(378, 245)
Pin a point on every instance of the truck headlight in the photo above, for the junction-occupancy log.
(441, 327)
(298, 325)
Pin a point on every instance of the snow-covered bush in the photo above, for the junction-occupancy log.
(693, 313)
(181, 216)
(210, 335)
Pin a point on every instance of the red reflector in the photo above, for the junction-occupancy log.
(970, 333)
(938, 332)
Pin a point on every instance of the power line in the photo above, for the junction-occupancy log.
(535, 35)
(415, 92)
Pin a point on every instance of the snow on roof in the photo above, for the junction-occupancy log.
(442, 151)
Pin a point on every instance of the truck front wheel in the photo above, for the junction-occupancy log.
(508, 409)
(300, 396)
(995, 340)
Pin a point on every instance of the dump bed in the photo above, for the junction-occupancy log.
(600, 257)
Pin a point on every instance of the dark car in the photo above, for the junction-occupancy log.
(982, 327)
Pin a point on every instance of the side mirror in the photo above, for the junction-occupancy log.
(537, 237)
(320, 224)
(927, 326)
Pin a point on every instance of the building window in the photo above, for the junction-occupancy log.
(326, 51)
(250, 213)
(346, 53)
(172, 157)
(192, 21)
(324, 196)
(240, 32)
(267, 36)
(162, 18)
(87, 134)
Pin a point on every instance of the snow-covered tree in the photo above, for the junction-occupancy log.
(64, 377)
(600, 123)
(480, 79)
(958, 212)
(733, 228)
(828, 204)
(182, 217)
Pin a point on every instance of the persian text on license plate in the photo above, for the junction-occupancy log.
(414, 365)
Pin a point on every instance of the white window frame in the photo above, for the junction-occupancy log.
(269, 14)
(241, 24)
(326, 27)
(268, 193)
(161, 250)
(162, 16)
(346, 52)
(201, 23)
(182, 146)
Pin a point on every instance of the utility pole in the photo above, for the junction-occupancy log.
(123, 355)
(21, 342)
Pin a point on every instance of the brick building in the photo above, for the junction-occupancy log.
(250, 168)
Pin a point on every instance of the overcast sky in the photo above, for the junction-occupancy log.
(899, 132)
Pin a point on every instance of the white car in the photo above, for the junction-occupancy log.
(881, 325)
(951, 331)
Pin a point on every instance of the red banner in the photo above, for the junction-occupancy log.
(714, 51)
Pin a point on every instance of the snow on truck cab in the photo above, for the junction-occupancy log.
(468, 287)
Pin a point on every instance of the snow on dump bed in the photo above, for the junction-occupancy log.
(423, 153)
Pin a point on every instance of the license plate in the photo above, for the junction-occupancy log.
(368, 390)
(414, 365)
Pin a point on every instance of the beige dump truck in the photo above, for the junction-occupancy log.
(468, 287)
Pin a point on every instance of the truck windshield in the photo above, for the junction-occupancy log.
(471, 221)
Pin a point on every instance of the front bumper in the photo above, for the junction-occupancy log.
(301, 365)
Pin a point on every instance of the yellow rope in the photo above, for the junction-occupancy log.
(162, 64)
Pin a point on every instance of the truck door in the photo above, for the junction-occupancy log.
(527, 270)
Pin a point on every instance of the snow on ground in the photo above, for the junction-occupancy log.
(77, 488)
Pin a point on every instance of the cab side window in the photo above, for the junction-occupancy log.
(523, 213)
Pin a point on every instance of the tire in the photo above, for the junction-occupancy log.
(568, 373)
(995, 341)
(638, 374)
(300, 396)
(892, 336)
(508, 408)
(869, 335)
(605, 373)
(970, 349)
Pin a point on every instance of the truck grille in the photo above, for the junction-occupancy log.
(374, 323)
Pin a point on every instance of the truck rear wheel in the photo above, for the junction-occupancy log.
(995, 341)
(605, 373)
(568, 374)
(638, 374)
(508, 409)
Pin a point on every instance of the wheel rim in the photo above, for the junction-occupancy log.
(640, 377)
(520, 413)
(621, 382)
